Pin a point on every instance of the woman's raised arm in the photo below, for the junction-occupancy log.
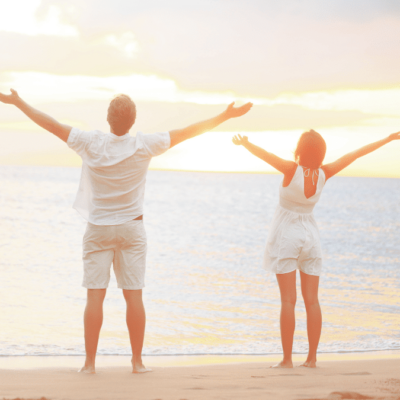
(336, 166)
(284, 166)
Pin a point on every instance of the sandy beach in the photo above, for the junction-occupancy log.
(207, 378)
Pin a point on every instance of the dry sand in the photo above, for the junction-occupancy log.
(377, 378)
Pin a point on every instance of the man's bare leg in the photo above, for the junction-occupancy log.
(93, 319)
(136, 321)
(287, 286)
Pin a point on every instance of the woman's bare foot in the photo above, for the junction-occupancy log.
(283, 364)
(138, 367)
(309, 364)
(88, 369)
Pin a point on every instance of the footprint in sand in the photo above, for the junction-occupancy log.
(348, 395)
(258, 376)
(357, 373)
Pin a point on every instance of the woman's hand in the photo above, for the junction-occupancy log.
(240, 140)
(395, 136)
(9, 98)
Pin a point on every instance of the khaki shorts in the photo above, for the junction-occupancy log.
(123, 245)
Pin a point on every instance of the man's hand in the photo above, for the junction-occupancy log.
(10, 98)
(234, 112)
(45, 121)
(240, 140)
(179, 135)
(395, 136)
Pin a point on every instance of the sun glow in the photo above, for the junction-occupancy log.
(383, 102)
(69, 57)
(40, 87)
(20, 16)
(214, 151)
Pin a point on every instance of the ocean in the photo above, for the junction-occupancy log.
(206, 292)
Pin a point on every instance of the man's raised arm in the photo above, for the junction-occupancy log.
(45, 121)
(179, 135)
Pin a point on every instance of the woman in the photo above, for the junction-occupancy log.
(293, 240)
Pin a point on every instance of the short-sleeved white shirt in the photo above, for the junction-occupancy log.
(111, 189)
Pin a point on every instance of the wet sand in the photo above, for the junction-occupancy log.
(208, 377)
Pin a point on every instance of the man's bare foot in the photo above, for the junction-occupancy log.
(309, 364)
(283, 364)
(87, 369)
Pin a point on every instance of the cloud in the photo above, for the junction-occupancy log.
(67, 55)
(305, 63)
(258, 48)
(21, 16)
(160, 116)
(382, 102)
(123, 11)
(39, 87)
(125, 43)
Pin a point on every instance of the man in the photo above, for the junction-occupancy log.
(110, 198)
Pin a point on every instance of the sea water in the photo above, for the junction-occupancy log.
(206, 292)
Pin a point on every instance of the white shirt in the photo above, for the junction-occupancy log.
(111, 190)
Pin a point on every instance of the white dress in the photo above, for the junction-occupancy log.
(293, 240)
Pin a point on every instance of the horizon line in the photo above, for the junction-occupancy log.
(201, 171)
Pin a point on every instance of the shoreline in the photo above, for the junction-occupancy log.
(337, 379)
(17, 362)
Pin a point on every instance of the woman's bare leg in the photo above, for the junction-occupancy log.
(93, 319)
(287, 287)
(309, 290)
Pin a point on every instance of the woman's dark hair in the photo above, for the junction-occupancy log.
(310, 150)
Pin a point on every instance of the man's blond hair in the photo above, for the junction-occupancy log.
(121, 114)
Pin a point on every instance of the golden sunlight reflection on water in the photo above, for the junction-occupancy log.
(206, 292)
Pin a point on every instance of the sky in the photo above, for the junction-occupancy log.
(332, 66)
